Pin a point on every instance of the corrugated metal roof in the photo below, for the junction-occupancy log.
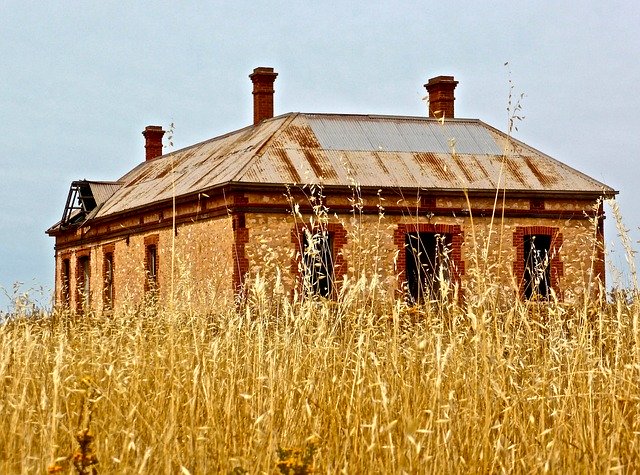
(401, 134)
(103, 190)
(190, 170)
(409, 152)
(329, 149)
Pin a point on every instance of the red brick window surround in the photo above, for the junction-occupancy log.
(65, 280)
(333, 235)
(108, 272)
(454, 236)
(83, 279)
(151, 263)
(524, 234)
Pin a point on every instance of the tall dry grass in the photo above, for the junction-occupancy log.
(356, 385)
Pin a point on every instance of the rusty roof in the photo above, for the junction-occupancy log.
(342, 150)
(409, 152)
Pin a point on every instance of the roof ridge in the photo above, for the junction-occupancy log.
(389, 116)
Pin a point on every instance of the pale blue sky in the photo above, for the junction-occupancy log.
(81, 80)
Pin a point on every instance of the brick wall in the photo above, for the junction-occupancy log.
(481, 248)
(213, 255)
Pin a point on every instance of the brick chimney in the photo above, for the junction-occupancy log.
(153, 141)
(263, 79)
(441, 97)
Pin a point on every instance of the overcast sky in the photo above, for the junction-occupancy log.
(80, 81)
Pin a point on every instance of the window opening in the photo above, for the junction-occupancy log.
(84, 282)
(152, 267)
(537, 269)
(427, 265)
(318, 262)
(66, 282)
(108, 281)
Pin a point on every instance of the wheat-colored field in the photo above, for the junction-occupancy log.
(329, 386)
(357, 384)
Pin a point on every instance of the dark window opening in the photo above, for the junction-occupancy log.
(108, 281)
(152, 267)
(66, 282)
(537, 269)
(427, 265)
(317, 259)
(84, 282)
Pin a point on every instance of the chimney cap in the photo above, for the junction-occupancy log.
(263, 72)
(153, 129)
(441, 80)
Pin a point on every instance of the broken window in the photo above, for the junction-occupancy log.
(537, 269)
(427, 265)
(66, 282)
(84, 282)
(152, 267)
(108, 281)
(317, 259)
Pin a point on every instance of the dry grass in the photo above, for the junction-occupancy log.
(329, 386)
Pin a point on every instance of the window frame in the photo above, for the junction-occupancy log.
(424, 264)
(151, 266)
(338, 239)
(537, 267)
(457, 264)
(65, 280)
(108, 277)
(318, 264)
(556, 267)
(83, 280)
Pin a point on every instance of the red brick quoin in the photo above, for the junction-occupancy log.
(240, 240)
(240, 260)
(557, 268)
(457, 237)
(599, 264)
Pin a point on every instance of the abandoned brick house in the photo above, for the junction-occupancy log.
(301, 191)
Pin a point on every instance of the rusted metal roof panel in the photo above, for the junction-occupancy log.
(103, 190)
(190, 170)
(413, 169)
(409, 152)
(329, 149)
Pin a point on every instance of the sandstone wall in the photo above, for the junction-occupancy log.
(212, 255)
(488, 247)
(203, 266)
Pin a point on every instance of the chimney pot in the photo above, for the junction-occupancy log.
(441, 97)
(263, 79)
(153, 141)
